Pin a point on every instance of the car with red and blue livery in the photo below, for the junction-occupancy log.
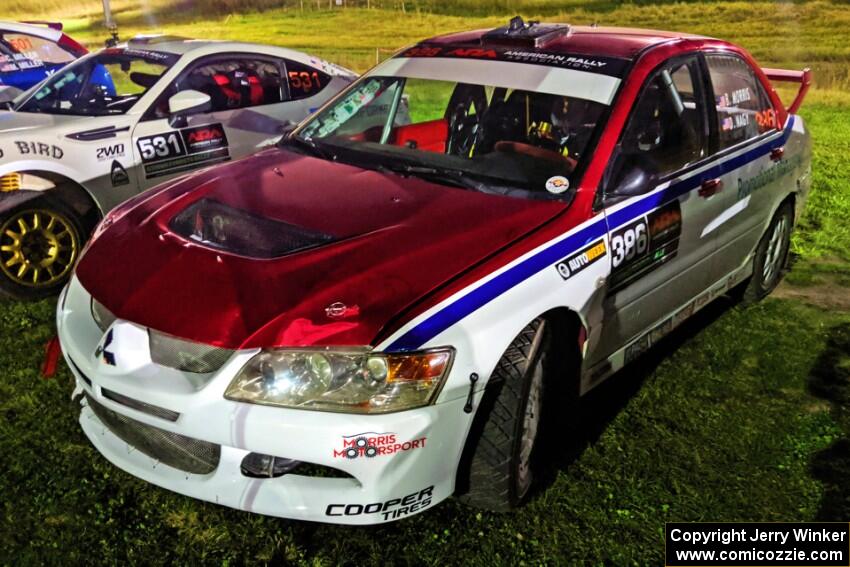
(32, 51)
(400, 302)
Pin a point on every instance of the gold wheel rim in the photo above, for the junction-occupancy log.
(38, 247)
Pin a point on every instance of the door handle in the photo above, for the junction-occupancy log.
(777, 153)
(709, 187)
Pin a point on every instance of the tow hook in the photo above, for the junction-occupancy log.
(473, 378)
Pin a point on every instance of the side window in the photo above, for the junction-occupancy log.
(232, 84)
(304, 81)
(665, 132)
(28, 51)
(743, 108)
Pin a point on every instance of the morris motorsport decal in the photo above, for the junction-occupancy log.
(372, 444)
(178, 151)
(645, 244)
(612, 66)
(572, 265)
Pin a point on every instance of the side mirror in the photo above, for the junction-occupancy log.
(634, 174)
(186, 103)
(8, 94)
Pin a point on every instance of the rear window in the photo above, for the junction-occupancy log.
(743, 108)
(24, 51)
(304, 81)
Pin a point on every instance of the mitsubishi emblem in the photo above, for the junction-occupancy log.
(100, 351)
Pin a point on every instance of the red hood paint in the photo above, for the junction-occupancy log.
(399, 239)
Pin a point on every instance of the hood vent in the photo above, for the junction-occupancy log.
(222, 227)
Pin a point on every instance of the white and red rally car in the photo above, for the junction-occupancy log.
(380, 313)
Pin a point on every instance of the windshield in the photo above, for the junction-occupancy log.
(109, 82)
(490, 137)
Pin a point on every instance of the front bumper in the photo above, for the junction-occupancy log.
(412, 469)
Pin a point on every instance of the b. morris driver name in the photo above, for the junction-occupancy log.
(725, 537)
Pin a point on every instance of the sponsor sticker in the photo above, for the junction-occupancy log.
(637, 348)
(557, 184)
(109, 152)
(660, 330)
(645, 244)
(371, 444)
(571, 265)
(189, 148)
(683, 314)
(40, 149)
(118, 175)
(389, 509)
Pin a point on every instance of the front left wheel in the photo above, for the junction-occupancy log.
(40, 242)
(500, 460)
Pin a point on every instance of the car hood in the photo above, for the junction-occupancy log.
(381, 242)
(11, 122)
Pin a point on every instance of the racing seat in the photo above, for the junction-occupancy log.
(145, 80)
(232, 97)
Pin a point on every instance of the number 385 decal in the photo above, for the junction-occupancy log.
(629, 242)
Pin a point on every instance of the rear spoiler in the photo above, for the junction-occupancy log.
(52, 25)
(803, 77)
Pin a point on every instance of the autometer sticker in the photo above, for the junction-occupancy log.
(178, 151)
(572, 265)
(645, 244)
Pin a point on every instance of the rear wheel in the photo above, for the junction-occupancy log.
(500, 460)
(771, 255)
(39, 245)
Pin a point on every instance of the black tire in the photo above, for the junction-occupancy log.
(35, 251)
(771, 257)
(489, 476)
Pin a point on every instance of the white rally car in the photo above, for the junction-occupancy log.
(126, 118)
(389, 308)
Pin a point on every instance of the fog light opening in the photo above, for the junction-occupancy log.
(258, 465)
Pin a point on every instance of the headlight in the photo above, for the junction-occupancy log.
(102, 316)
(349, 381)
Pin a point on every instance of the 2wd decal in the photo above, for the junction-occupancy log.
(371, 444)
(571, 265)
(174, 152)
(645, 244)
(109, 152)
(389, 510)
(118, 175)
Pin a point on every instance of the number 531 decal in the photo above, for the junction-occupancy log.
(160, 146)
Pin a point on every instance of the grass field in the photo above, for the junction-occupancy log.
(743, 414)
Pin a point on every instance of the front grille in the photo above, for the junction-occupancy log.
(150, 409)
(187, 356)
(178, 451)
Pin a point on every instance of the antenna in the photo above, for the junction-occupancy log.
(112, 41)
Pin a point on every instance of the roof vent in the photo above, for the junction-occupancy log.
(530, 34)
